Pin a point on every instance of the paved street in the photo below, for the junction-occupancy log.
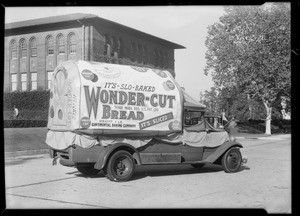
(264, 182)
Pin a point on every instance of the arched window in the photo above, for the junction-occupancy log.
(132, 51)
(50, 45)
(155, 57)
(166, 60)
(160, 59)
(33, 50)
(61, 44)
(139, 53)
(106, 44)
(72, 43)
(144, 55)
(120, 48)
(13, 49)
(23, 48)
(113, 46)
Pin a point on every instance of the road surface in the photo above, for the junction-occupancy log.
(264, 182)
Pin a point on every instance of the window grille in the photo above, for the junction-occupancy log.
(33, 81)
(72, 44)
(23, 47)
(13, 49)
(14, 82)
(50, 45)
(23, 81)
(49, 77)
(33, 49)
(61, 44)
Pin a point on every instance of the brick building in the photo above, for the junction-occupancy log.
(33, 48)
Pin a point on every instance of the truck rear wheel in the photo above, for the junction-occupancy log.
(87, 169)
(120, 166)
(232, 160)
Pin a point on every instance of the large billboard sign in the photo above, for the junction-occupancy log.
(93, 95)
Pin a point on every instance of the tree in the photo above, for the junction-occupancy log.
(211, 100)
(250, 49)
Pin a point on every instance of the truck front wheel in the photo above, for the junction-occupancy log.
(120, 166)
(232, 160)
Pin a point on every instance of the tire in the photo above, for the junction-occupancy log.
(198, 166)
(120, 166)
(232, 160)
(87, 169)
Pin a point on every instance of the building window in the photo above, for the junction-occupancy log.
(14, 82)
(144, 55)
(113, 46)
(61, 44)
(23, 48)
(106, 49)
(166, 60)
(24, 81)
(33, 81)
(13, 49)
(162, 60)
(72, 43)
(50, 45)
(49, 77)
(139, 53)
(120, 48)
(33, 50)
(132, 52)
(155, 57)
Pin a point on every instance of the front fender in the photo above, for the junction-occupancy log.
(221, 150)
(106, 152)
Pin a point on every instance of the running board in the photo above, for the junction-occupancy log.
(160, 158)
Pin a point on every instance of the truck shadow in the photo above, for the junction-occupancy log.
(164, 170)
(167, 170)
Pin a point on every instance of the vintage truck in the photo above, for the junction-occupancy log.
(113, 117)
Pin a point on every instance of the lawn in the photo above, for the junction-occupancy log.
(21, 139)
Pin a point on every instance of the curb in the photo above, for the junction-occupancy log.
(26, 153)
(265, 138)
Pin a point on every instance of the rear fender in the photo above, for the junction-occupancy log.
(221, 150)
(109, 150)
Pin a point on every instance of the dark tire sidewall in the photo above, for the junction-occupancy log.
(110, 171)
(225, 165)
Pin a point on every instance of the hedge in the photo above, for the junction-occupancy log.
(24, 123)
(27, 100)
(26, 115)
(256, 126)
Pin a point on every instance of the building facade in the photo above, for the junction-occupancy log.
(34, 48)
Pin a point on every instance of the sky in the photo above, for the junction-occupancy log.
(184, 25)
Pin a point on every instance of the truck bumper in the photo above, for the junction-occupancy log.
(75, 154)
(62, 156)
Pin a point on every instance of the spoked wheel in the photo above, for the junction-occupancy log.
(198, 166)
(87, 169)
(232, 160)
(120, 166)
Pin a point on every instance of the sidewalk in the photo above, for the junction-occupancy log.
(261, 136)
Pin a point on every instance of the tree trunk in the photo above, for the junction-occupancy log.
(269, 117)
(249, 106)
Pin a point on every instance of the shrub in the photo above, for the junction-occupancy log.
(24, 123)
(26, 115)
(32, 105)
(29, 100)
